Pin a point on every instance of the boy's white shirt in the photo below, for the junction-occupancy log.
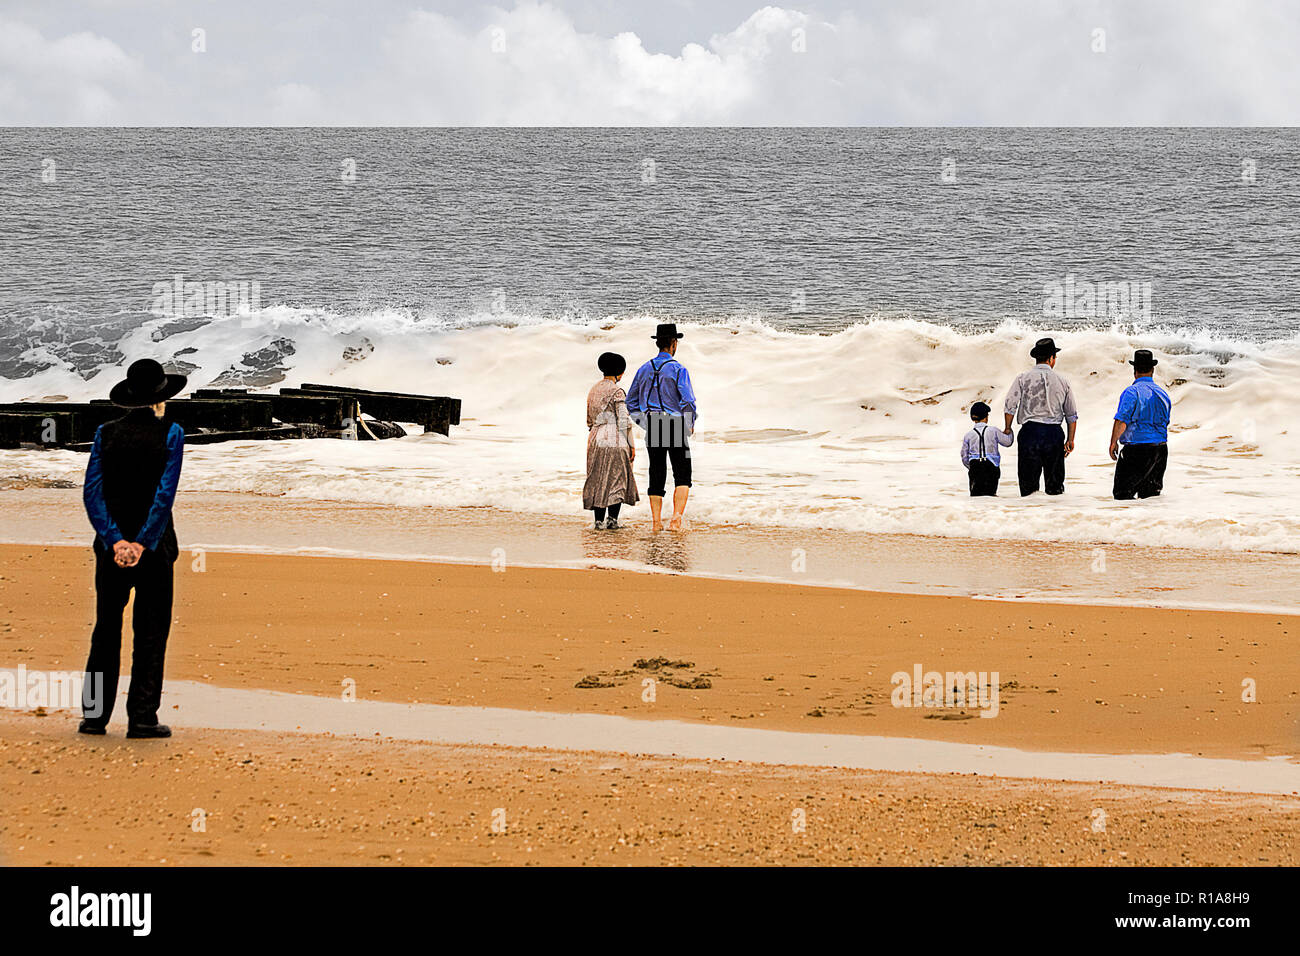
(994, 441)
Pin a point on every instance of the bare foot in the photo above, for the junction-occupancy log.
(657, 526)
(675, 524)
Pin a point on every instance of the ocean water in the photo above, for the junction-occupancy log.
(846, 295)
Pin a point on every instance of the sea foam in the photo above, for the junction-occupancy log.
(857, 429)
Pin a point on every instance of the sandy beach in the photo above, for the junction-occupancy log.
(300, 800)
(1074, 679)
(1088, 679)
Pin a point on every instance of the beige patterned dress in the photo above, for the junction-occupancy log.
(609, 472)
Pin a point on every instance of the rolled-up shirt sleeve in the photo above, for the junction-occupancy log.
(1127, 404)
(156, 524)
(1011, 404)
(636, 395)
(1070, 409)
(690, 409)
(92, 495)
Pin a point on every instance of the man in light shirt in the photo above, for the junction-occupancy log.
(1040, 400)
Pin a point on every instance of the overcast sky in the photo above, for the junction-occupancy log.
(650, 62)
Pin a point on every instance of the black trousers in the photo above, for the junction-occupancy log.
(984, 477)
(1042, 453)
(1140, 470)
(151, 622)
(665, 441)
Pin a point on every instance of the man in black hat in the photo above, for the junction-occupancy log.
(131, 480)
(662, 401)
(1142, 426)
(1040, 400)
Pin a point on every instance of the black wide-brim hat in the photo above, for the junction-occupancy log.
(1043, 348)
(146, 383)
(667, 330)
(1143, 358)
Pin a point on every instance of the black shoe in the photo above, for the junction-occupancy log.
(141, 731)
(92, 728)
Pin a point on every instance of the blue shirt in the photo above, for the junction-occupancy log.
(992, 438)
(1144, 407)
(155, 525)
(673, 395)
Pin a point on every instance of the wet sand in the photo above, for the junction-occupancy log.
(902, 564)
(286, 799)
(205, 706)
(1100, 680)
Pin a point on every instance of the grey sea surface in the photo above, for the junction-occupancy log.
(808, 229)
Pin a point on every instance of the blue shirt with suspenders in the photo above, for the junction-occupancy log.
(662, 385)
(979, 444)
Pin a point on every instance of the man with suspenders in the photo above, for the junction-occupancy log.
(980, 453)
(662, 401)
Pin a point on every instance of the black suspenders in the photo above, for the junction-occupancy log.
(655, 383)
(983, 456)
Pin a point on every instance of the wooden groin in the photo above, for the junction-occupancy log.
(233, 414)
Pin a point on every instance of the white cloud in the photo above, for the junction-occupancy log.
(925, 62)
(77, 79)
(920, 62)
(531, 66)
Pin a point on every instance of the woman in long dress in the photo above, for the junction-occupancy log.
(610, 446)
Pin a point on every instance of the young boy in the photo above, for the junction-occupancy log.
(980, 454)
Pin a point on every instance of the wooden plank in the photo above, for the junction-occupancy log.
(50, 428)
(391, 407)
(86, 416)
(272, 433)
(444, 407)
(329, 411)
(194, 414)
(434, 412)
(191, 414)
